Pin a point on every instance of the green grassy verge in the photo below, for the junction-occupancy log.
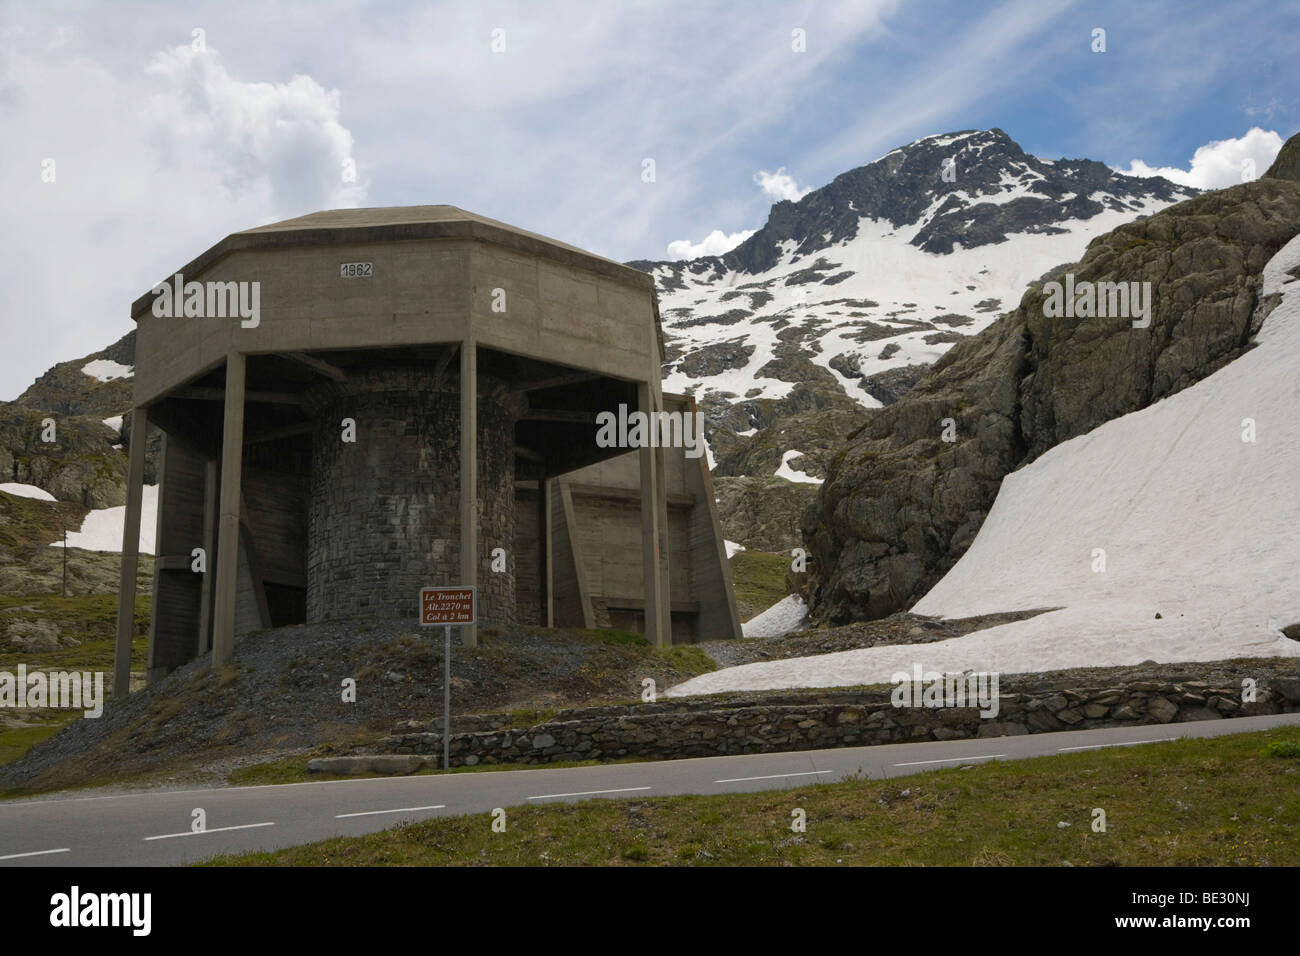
(1219, 801)
(294, 770)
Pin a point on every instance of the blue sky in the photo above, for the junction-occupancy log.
(161, 149)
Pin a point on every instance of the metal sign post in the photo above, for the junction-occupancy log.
(446, 698)
(447, 606)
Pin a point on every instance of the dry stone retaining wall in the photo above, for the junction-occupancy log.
(761, 724)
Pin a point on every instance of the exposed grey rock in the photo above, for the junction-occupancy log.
(900, 505)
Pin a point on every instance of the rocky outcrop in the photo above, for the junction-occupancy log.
(906, 497)
(892, 384)
(66, 390)
(763, 514)
(87, 462)
(1287, 163)
(80, 465)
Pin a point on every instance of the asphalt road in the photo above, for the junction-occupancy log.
(154, 827)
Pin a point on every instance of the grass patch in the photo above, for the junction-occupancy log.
(90, 619)
(688, 658)
(609, 635)
(528, 717)
(1210, 802)
(759, 578)
(16, 741)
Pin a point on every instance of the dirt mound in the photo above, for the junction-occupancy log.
(285, 693)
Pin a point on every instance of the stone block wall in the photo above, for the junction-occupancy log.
(755, 723)
(384, 512)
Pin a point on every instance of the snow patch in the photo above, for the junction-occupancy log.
(105, 370)
(26, 491)
(786, 615)
(102, 528)
(789, 474)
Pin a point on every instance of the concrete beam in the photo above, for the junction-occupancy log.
(444, 360)
(557, 380)
(130, 554)
(275, 434)
(469, 477)
(205, 394)
(559, 415)
(232, 460)
(318, 365)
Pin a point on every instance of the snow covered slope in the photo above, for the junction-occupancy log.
(1200, 531)
(888, 265)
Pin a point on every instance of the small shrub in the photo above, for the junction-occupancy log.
(1283, 748)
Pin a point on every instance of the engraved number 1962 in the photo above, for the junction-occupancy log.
(356, 270)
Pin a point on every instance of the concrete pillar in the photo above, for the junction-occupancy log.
(469, 477)
(665, 550)
(232, 460)
(209, 555)
(544, 574)
(652, 577)
(130, 554)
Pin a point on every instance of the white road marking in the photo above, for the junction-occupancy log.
(1127, 743)
(242, 826)
(371, 813)
(586, 793)
(19, 856)
(775, 776)
(917, 763)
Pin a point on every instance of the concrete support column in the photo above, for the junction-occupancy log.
(652, 577)
(130, 554)
(544, 574)
(469, 476)
(232, 460)
(209, 555)
(665, 550)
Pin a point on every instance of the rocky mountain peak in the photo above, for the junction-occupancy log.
(953, 190)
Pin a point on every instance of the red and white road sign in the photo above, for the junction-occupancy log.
(447, 606)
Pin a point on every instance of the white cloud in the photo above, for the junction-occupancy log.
(1220, 163)
(781, 185)
(281, 143)
(156, 158)
(714, 244)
